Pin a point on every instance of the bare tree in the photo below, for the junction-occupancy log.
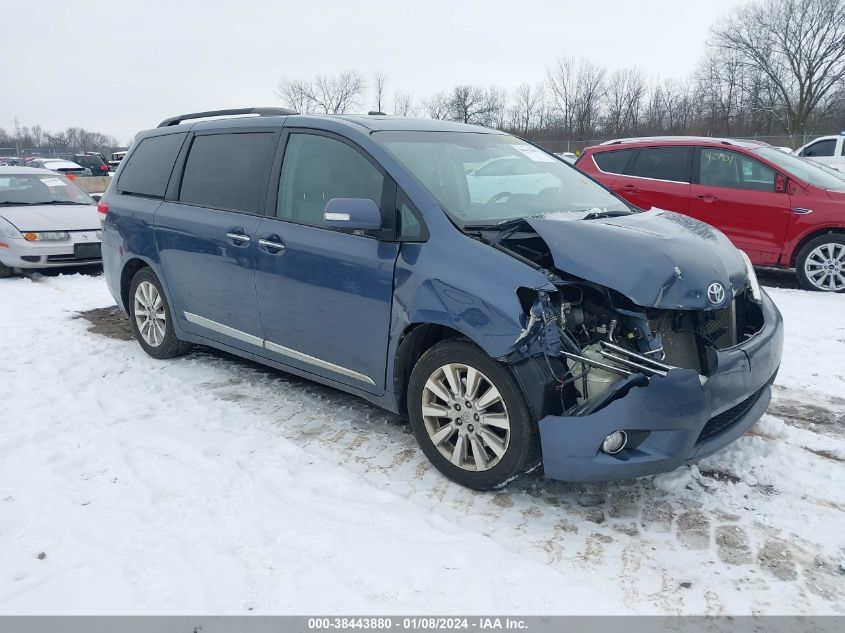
(403, 104)
(329, 94)
(798, 44)
(626, 89)
(438, 106)
(379, 86)
(526, 113)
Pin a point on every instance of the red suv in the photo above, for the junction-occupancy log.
(780, 209)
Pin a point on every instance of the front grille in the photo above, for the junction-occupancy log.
(725, 419)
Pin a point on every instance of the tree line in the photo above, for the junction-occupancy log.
(770, 68)
(25, 139)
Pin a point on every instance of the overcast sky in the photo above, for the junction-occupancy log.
(119, 66)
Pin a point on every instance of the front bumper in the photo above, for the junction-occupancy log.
(674, 419)
(19, 253)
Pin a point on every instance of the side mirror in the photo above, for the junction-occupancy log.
(358, 214)
(781, 184)
(96, 196)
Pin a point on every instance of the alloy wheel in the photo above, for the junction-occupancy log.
(825, 267)
(465, 417)
(150, 316)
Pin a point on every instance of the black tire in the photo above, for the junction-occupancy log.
(837, 243)
(522, 447)
(169, 346)
(5, 271)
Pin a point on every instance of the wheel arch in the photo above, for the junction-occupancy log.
(416, 340)
(793, 256)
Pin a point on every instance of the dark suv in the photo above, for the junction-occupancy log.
(93, 162)
(554, 322)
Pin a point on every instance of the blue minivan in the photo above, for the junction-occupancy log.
(519, 314)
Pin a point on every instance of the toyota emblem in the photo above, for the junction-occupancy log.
(716, 293)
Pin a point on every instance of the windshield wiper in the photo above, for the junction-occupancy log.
(40, 203)
(595, 215)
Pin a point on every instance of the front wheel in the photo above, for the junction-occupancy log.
(5, 271)
(821, 264)
(151, 318)
(470, 417)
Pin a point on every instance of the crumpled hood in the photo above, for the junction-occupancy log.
(53, 217)
(657, 258)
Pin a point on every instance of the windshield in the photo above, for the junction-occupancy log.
(804, 169)
(485, 179)
(40, 189)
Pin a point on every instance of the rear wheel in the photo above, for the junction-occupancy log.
(821, 264)
(470, 417)
(151, 318)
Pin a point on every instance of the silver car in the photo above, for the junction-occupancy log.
(46, 221)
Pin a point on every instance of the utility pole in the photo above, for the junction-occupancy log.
(17, 138)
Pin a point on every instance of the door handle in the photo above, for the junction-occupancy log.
(801, 210)
(273, 244)
(238, 237)
(628, 188)
(707, 198)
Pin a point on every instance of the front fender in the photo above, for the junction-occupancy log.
(463, 284)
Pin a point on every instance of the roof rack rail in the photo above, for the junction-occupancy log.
(176, 120)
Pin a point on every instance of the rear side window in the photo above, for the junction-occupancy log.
(822, 148)
(613, 162)
(148, 168)
(225, 171)
(316, 169)
(723, 168)
(663, 163)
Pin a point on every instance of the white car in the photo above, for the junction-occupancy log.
(828, 150)
(46, 221)
(510, 175)
(569, 157)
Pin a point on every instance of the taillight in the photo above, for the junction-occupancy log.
(104, 167)
(103, 210)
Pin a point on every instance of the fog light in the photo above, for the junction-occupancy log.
(614, 442)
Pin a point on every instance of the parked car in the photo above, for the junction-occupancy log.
(507, 176)
(116, 157)
(780, 209)
(60, 166)
(93, 163)
(828, 150)
(46, 221)
(569, 157)
(557, 323)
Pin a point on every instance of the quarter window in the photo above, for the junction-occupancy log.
(663, 163)
(821, 148)
(148, 167)
(224, 171)
(613, 162)
(722, 168)
(316, 169)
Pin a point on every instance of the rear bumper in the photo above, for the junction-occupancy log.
(674, 419)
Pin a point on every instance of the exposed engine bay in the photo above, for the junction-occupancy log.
(598, 343)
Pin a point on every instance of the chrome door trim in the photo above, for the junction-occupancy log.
(224, 329)
(801, 210)
(275, 347)
(311, 360)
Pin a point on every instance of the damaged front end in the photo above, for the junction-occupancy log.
(622, 389)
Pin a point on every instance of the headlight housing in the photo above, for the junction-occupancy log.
(752, 278)
(47, 236)
(8, 230)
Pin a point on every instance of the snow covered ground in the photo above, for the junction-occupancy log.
(208, 484)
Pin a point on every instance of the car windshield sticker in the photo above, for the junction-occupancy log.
(53, 182)
(534, 153)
